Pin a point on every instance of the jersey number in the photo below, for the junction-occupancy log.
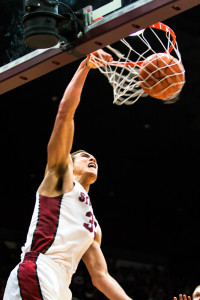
(92, 223)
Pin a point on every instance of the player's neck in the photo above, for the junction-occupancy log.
(85, 184)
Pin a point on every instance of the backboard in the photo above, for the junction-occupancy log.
(111, 20)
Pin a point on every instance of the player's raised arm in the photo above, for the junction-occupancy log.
(61, 139)
(60, 143)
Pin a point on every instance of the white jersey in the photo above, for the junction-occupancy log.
(62, 227)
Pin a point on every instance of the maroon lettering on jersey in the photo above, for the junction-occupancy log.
(89, 226)
(92, 224)
(84, 198)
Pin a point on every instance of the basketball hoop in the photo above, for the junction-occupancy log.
(123, 71)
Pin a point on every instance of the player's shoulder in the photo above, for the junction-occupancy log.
(57, 180)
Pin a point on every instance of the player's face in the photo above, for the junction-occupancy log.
(85, 163)
(196, 295)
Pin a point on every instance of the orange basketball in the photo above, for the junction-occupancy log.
(162, 76)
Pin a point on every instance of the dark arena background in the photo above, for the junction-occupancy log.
(146, 198)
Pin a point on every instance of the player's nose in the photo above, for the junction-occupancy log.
(93, 159)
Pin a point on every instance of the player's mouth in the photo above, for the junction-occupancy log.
(92, 165)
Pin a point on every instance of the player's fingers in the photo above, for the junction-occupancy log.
(101, 54)
(97, 59)
(90, 64)
(107, 57)
(93, 64)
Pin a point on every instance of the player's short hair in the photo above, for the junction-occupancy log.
(73, 154)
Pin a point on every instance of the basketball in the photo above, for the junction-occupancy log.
(162, 76)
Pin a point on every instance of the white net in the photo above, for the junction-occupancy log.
(128, 56)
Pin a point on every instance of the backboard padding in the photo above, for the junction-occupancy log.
(106, 31)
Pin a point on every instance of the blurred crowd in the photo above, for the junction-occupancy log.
(144, 283)
(140, 283)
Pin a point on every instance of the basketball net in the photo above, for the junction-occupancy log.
(122, 72)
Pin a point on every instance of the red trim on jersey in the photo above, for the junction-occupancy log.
(46, 228)
(28, 279)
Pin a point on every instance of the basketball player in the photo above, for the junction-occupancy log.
(195, 295)
(63, 227)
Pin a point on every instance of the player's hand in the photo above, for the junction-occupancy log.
(103, 57)
(182, 297)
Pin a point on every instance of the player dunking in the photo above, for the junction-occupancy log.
(63, 228)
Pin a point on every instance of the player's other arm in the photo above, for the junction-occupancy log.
(97, 267)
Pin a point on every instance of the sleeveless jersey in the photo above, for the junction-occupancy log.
(62, 227)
